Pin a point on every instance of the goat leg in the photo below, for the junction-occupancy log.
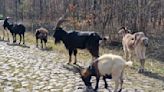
(70, 56)
(106, 85)
(97, 82)
(45, 45)
(130, 55)
(20, 38)
(41, 41)
(13, 37)
(121, 81)
(70, 59)
(116, 85)
(126, 54)
(15, 40)
(142, 61)
(36, 42)
(23, 39)
(8, 35)
(3, 35)
(45, 41)
(120, 90)
(75, 52)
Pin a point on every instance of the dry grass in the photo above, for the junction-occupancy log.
(151, 64)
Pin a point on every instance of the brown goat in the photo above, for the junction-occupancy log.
(136, 42)
(41, 34)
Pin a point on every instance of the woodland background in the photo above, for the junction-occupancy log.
(103, 16)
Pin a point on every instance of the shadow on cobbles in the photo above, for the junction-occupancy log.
(16, 44)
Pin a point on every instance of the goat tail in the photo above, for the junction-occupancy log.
(103, 38)
(129, 63)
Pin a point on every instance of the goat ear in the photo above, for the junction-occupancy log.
(121, 31)
(8, 17)
(85, 73)
(135, 36)
(122, 28)
(126, 31)
(104, 38)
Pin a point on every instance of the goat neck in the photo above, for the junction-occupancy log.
(59, 34)
(92, 70)
(6, 24)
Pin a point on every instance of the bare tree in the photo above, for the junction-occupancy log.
(107, 15)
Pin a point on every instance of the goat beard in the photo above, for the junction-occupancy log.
(57, 41)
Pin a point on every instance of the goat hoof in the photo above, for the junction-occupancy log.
(68, 63)
(106, 86)
(140, 70)
(120, 90)
(95, 90)
(74, 63)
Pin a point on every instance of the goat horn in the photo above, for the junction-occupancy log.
(122, 28)
(62, 19)
(8, 17)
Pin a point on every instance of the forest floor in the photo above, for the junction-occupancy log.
(30, 69)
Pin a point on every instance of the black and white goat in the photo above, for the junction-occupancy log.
(15, 29)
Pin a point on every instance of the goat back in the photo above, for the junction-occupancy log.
(129, 41)
(19, 28)
(81, 39)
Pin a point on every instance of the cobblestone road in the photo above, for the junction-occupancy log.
(24, 69)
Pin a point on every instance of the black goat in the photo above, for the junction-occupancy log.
(15, 29)
(5, 32)
(74, 40)
(41, 34)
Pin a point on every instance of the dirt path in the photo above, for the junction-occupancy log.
(24, 69)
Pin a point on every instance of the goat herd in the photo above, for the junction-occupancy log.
(108, 65)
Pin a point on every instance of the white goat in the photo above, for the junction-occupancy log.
(136, 42)
(109, 66)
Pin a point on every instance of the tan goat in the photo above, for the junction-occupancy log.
(137, 43)
(108, 66)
